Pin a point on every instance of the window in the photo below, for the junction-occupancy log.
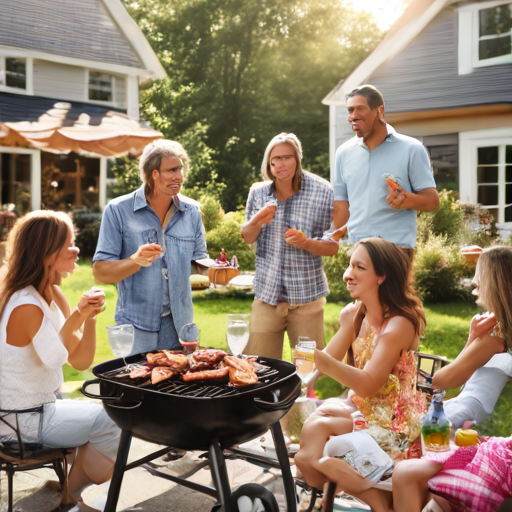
(445, 164)
(485, 35)
(494, 180)
(13, 72)
(494, 32)
(101, 86)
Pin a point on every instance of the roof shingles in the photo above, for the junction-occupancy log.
(81, 29)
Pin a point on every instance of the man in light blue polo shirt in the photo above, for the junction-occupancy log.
(363, 201)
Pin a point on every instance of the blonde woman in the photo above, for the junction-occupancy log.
(38, 333)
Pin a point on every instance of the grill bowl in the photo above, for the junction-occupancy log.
(194, 423)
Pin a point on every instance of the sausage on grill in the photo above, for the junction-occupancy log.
(206, 375)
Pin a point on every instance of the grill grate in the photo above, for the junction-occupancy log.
(266, 375)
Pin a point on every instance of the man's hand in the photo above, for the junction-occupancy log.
(265, 215)
(146, 254)
(398, 199)
(296, 238)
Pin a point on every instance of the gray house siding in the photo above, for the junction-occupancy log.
(59, 81)
(424, 76)
(82, 29)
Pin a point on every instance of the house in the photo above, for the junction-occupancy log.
(445, 71)
(69, 98)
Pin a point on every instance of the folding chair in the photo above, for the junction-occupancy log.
(18, 455)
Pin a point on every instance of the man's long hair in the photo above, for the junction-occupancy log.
(292, 141)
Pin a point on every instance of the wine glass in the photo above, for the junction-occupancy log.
(120, 339)
(189, 337)
(238, 333)
(304, 361)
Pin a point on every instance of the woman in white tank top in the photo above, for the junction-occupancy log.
(38, 334)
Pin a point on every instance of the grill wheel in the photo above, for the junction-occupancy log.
(245, 496)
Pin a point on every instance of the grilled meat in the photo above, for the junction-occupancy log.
(206, 375)
(160, 373)
(140, 372)
(242, 378)
(210, 356)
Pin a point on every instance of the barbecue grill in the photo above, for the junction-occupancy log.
(201, 415)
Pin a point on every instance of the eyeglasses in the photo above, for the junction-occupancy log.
(278, 159)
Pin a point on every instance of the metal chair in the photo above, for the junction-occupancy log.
(18, 455)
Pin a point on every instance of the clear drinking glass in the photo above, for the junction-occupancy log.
(120, 339)
(304, 361)
(189, 337)
(238, 333)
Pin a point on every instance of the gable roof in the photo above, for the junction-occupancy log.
(413, 20)
(91, 30)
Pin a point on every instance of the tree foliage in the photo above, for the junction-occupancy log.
(241, 71)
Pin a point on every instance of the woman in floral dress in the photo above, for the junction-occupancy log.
(378, 339)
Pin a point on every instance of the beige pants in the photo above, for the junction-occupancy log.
(269, 323)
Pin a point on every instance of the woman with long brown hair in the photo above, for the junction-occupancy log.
(38, 334)
(379, 336)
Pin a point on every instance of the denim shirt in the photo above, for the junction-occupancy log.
(129, 222)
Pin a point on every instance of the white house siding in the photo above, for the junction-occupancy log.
(54, 80)
(120, 91)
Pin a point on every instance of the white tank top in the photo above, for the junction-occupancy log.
(29, 376)
(487, 383)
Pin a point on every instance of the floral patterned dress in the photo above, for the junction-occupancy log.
(395, 411)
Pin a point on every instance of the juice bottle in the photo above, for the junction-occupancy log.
(436, 427)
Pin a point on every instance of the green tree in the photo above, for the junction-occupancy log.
(241, 71)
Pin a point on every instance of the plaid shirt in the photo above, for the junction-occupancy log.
(285, 273)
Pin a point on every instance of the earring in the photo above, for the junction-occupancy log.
(379, 282)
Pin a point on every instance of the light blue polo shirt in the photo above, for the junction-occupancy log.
(359, 179)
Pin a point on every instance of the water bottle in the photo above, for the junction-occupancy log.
(436, 427)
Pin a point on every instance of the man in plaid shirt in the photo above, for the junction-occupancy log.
(288, 216)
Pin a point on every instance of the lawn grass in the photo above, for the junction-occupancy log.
(446, 334)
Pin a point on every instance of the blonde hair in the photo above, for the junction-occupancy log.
(34, 238)
(494, 270)
(151, 159)
(292, 141)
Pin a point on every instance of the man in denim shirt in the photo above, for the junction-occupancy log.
(147, 242)
(290, 284)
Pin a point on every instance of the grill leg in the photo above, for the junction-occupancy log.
(284, 462)
(117, 477)
(10, 476)
(220, 478)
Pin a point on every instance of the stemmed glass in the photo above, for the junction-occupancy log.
(238, 333)
(120, 339)
(189, 337)
(304, 361)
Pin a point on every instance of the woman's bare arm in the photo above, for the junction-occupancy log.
(474, 355)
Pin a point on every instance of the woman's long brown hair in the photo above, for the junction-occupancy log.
(495, 286)
(396, 293)
(34, 238)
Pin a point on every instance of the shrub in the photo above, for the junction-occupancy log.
(212, 212)
(438, 268)
(127, 174)
(227, 236)
(478, 226)
(445, 220)
(334, 268)
(87, 223)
